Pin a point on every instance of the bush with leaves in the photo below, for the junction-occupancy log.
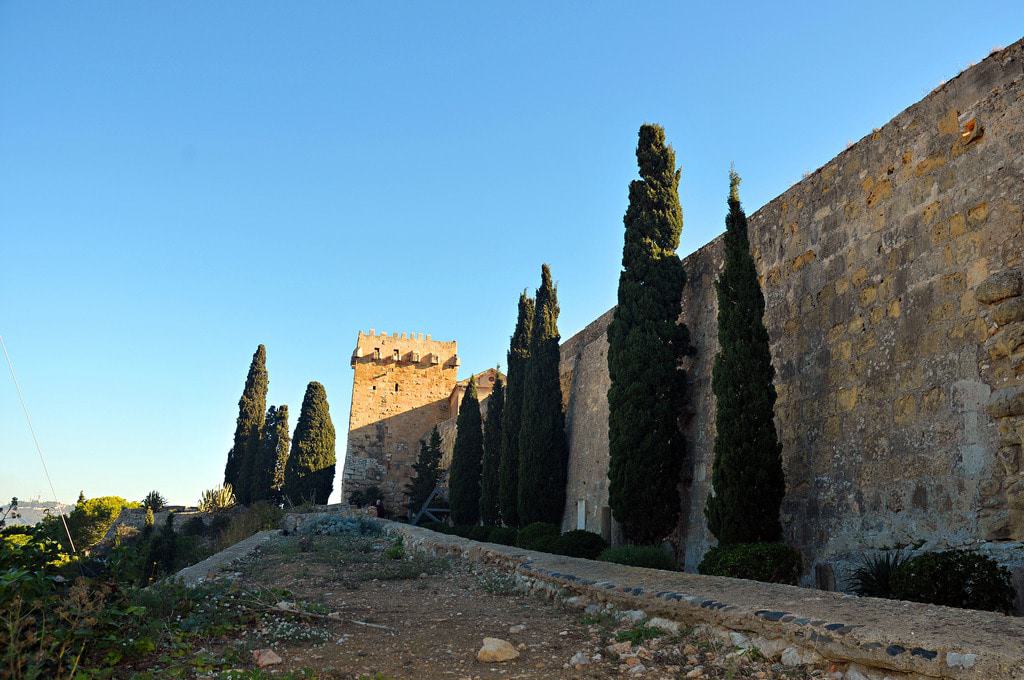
(766, 562)
(154, 501)
(216, 499)
(538, 536)
(650, 556)
(875, 576)
(502, 535)
(579, 543)
(89, 521)
(956, 578)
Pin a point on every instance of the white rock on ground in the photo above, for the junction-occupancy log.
(632, 616)
(518, 628)
(579, 659)
(496, 650)
(664, 624)
(265, 657)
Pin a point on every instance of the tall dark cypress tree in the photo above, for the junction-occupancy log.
(747, 476)
(518, 357)
(427, 468)
(543, 453)
(490, 513)
(645, 345)
(251, 415)
(268, 473)
(309, 473)
(467, 460)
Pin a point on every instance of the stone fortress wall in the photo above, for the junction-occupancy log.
(892, 280)
(401, 388)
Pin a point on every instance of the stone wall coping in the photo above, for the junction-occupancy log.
(907, 637)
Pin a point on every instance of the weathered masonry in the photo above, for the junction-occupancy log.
(403, 386)
(892, 278)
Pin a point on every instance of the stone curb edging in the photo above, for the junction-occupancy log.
(201, 571)
(879, 638)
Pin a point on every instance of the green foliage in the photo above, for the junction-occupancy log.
(162, 553)
(478, 533)
(579, 543)
(26, 548)
(518, 357)
(91, 519)
(427, 468)
(650, 556)
(956, 578)
(543, 453)
(309, 474)
(502, 535)
(639, 634)
(490, 512)
(645, 346)
(766, 562)
(195, 526)
(396, 550)
(747, 477)
(154, 501)
(467, 460)
(439, 527)
(252, 408)
(267, 477)
(216, 499)
(875, 575)
(538, 536)
(497, 583)
(364, 497)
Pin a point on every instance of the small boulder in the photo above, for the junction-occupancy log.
(496, 650)
(666, 625)
(579, 659)
(516, 629)
(265, 657)
(632, 616)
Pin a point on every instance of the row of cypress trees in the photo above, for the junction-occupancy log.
(514, 470)
(647, 397)
(264, 462)
(511, 469)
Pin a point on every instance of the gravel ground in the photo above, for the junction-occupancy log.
(360, 610)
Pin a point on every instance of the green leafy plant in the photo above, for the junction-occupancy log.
(217, 498)
(396, 550)
(537, 536)
(875, 575)
(639, 634)
(502, 535)
(650, 556)
(767, 562)
(579, 543)
(956, 578)
(154, 501)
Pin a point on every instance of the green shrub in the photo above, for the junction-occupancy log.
(194, 527)
(365, 497)
(439, 527)
(460, 530)
(875, 575)
(502, 535)
(956, 578)
(767, 562)
(91, 518)
(217, 498)
(650, 556)
(579, 543)
(537, 536)
(478, 533)
(396, 550)
(639, 634)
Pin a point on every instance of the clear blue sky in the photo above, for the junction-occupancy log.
(182, 181)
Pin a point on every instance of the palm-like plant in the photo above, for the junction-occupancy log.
(154, 501)
(875, 575)
(219, 498)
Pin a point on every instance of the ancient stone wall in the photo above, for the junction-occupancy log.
(400, 390)
(892, 303)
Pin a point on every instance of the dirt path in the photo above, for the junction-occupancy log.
(427, 619)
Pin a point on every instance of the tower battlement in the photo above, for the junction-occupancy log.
(401, 387)
(412, 348)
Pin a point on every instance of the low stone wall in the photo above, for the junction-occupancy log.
(866, 638)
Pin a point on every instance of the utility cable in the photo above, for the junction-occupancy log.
(39, 449)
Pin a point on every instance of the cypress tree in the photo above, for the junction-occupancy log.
(268, 473)
(645, 345)
(251, 414)
(309, 472)
(489, 482)
(427, 468)
(543, 453)
(467, 459)
(747, 476)
(518, 357)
